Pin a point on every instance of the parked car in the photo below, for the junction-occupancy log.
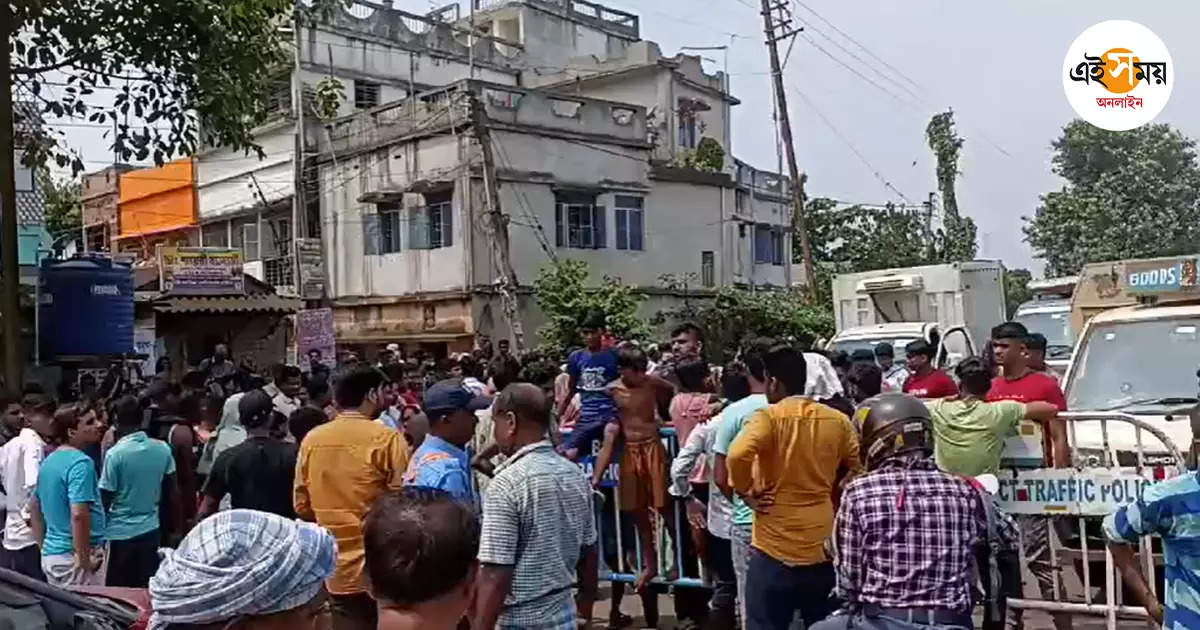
(26, 604)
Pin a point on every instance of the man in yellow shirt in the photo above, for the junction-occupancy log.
(342, 467)
(788, 463)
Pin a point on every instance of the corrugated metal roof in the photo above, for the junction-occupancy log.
(229, 304)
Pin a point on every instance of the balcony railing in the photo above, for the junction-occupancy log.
(280, 273)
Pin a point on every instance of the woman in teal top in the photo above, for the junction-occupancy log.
(68, 518)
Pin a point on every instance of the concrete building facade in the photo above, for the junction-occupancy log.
(411, 256)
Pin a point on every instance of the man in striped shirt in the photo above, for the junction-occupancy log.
(538, 532)
(1169, 509)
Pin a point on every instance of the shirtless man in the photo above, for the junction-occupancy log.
(643, 482)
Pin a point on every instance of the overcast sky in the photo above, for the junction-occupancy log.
(997, 64)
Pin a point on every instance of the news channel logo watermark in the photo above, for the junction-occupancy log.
(1118, 75)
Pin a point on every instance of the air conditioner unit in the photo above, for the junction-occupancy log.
(899, 282)
(255, 269)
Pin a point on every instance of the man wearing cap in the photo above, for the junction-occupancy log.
(442, 461)
(894, 374)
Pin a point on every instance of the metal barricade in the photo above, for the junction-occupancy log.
(1103, 477)
(617, 535)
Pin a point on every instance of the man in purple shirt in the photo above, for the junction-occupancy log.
(905, 532)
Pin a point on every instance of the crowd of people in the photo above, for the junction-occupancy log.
(840, 491)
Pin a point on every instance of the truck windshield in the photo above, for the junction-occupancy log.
(1148, 363)
(1055, 326)
(850, 345)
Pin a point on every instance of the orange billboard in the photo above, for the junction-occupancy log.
(156, 200)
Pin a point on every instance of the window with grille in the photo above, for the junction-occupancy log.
(687, 130)
(627, 210)
(579, 222)
(250, 241)
(432, 226)
(366, 94)
(390, 217)
(708, 271)
(768, 245)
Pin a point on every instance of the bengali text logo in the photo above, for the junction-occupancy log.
(1118, 75)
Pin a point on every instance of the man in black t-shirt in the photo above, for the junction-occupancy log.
(258, 473)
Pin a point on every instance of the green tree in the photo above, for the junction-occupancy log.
(956, 241)
(1016, 289)
(565, 297)
(182, 74)
(1128, 194)
(707, 156)
(63, 208)
(735, 315)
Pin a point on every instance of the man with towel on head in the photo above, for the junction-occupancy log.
(244, 569)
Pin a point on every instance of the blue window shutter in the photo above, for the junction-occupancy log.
(621, 216)
(598, 225)
(559, 225)
(636, 236)
(418, 228)
(447, 225)
(370, 233)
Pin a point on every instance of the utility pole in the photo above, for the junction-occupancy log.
(507, 283)
(298, 208)
(10, 304)
(777, 24)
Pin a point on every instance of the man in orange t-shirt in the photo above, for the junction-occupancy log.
(343, 466)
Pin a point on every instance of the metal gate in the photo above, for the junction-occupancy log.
(1106, 474)
(619, 546)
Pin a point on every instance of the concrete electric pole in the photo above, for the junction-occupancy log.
(777, 24)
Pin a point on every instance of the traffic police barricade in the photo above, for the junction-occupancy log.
(619, 545)
(1130, 456)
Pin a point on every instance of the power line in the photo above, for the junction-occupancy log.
(861, 46)
(828, 123)
(859, 74)
(986, 138)
(873, 67)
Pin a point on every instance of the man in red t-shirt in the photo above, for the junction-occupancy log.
(1019, 382)
(923, 381)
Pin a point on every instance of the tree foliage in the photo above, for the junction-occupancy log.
(956, 241)
(63, 210)
(735, 315)
(1128, 194)
(708, 156)
(174, 75)
(861, 239)
(565, 298)
(1016, 289)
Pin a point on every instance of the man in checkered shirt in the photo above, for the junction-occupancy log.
(906, 532)
(538, 533)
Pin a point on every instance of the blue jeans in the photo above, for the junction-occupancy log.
(860, 622)
(740, 550)
(776, 591)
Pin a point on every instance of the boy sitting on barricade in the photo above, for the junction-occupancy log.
(644, 460)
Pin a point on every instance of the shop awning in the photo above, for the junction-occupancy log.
(390, 337)
(229, 304)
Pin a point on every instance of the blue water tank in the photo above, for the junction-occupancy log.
(85, 307)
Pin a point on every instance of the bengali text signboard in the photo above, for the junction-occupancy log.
(314, 338)
(201, 271)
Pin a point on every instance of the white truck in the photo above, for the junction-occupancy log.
(1138, 324)
(1138, 328)
(952, 306)
(1049, 313)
